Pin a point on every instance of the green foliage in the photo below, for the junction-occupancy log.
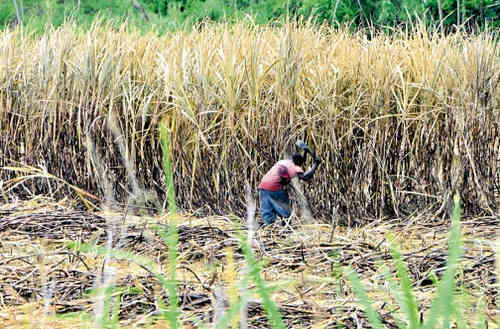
(7, 13)
(38, 15)
(158, 6)
(166, 15)
(322, 10)
(213, 10)
(470, 13)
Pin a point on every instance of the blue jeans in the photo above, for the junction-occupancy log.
(274, 203)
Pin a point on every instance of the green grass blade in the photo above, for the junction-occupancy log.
(115, 320)
(270, 307)
(396, 293)
(364, 300)
(462, 302)
(162, 308)
(172, 236)
(407, 298)
(480, 314)
(109, 318)
(442, 305)
(167, 165)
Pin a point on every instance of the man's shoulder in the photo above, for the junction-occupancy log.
(285, 162)
(290, 166)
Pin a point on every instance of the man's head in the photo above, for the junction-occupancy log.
(298, 159)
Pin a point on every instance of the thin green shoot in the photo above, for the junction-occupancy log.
(442, 305)
(270, 307)
(406, 297)
(166, 148)
(363, 298)
(111, 308)
(397, 293)
(172, 236)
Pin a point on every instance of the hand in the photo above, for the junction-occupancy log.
(317, 160)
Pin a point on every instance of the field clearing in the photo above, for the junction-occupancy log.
(301, 263)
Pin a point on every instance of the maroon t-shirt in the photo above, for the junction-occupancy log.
(282, 169)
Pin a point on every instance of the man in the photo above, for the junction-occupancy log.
(274, 200)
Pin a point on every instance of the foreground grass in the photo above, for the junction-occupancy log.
(298, 269)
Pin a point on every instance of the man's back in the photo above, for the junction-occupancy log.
(283, 169)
